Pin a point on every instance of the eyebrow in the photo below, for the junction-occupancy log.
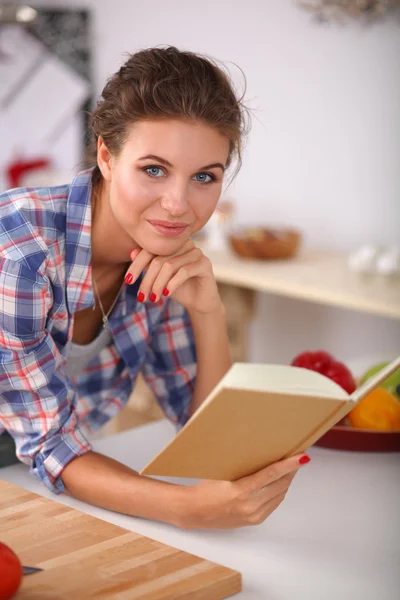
(166, 162)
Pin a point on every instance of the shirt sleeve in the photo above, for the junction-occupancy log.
(170, 363)
(37, 407)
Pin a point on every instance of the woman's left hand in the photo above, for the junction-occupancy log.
(186, 276)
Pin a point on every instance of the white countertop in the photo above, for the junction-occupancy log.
(335, 537)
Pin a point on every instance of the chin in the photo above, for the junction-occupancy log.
(163, 247)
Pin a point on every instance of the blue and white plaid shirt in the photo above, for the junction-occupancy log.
(45, 277)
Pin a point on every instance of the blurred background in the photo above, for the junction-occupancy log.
(323, 155)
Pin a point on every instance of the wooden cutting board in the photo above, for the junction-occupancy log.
(84, 557)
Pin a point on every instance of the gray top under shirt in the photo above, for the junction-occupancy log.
(80, 356)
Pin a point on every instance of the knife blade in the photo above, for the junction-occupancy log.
(30, 570)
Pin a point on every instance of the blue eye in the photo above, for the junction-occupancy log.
(204, 178)
(154, 171)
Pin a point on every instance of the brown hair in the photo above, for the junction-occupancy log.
(167, 83)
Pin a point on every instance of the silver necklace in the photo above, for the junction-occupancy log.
(104, 315)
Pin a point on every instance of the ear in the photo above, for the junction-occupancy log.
(104, 159)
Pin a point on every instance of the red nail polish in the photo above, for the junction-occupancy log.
(165, 292)
(140, 297)
(304, 459)
(153, 297)
(128, 278)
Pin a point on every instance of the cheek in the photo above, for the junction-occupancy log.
(129, 197)
(206, 204)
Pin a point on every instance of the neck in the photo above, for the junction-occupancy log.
(110, 244)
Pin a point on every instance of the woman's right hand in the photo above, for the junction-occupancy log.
(247, 501)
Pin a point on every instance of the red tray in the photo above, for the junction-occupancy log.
(342, 437)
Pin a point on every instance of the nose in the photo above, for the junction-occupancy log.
(175, 200)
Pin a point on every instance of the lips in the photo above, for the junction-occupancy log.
(168, 228)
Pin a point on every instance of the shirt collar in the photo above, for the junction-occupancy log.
(78, 251)
(77, 243)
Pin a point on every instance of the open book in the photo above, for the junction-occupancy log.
(257, 415)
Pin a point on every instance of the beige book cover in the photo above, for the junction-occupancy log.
(257, 415)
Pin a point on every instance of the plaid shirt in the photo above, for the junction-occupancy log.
(45, 277)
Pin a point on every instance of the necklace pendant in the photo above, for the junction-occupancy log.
(105, 321)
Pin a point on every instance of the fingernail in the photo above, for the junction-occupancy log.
(153, 297)
(140, 297)
(304, 459)
(128, 278)
(165, 292)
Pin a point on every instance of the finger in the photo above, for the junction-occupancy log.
(140, 260)
(273, 472)
(259, 498)
(161, 284)
(273, 489)
(197, 269)
(146, 285)
(266, 510)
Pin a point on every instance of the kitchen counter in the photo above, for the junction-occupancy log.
(336, 535)
(314, 275)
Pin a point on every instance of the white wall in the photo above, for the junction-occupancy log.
(324, 152)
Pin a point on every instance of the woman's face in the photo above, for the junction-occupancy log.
(166, 182)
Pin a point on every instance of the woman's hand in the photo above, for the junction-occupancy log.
(247, 501)
(187, 277)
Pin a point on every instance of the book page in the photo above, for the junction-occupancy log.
(283, 379)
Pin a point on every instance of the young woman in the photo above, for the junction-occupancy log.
(99, 280)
